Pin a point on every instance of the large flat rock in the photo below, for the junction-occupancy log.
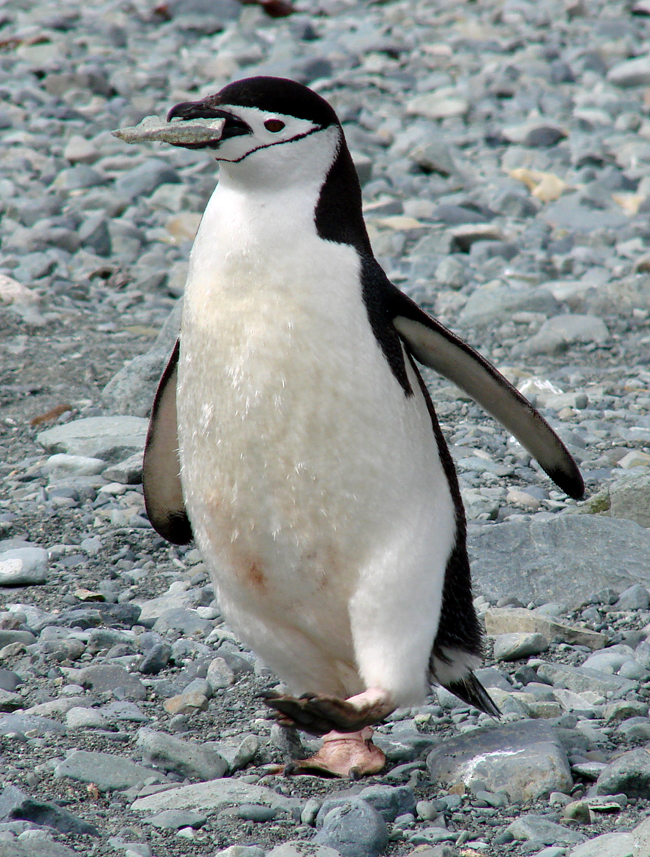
(107, 772)
(526, 760)
(564, 560)
(110, 438)
(214, 795)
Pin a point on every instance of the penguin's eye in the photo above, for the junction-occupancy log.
(274, 125)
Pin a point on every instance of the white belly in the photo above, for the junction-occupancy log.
(304, 465)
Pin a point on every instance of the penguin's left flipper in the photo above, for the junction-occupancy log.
(432, 344)
(161, 480)
(320, 714)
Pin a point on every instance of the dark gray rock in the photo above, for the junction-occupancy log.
(145, 178)
(214, 796)
(524, 759)
(255, 812)
(94, 234)
(629, 497)
(354, 829)
(581, 679)
(23, 566)
(628, 775)
(562, 560)
(389, 801)
(108, 773)
(156, 659)
(9, 680)
(185, 620)
(403, 745)
(541, 829)
(489, 302)
(108, 677)
(175, 819)
(635, 597)
(182, 757)
(15, 804)
(511, 647)
(35, 848)
(11, 724)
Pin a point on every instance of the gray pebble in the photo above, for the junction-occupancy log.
(105, 771)
(108, 438)
(628, 775)
(23, 566)
(512, 647)
(175, 819)
(354, 829)
(541, 829)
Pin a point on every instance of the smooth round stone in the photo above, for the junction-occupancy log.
(247, 851)
(255, 812)
(155, 659)
(9, 680)
(64, 464)
(355, 829)
(628, 775)
(176, 819)
(633, 670)
(23, 566)
(635, 729)
(85, 718)
(635, 597)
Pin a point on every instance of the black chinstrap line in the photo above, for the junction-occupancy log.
(270, 145)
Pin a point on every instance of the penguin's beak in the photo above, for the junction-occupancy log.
(195, 111)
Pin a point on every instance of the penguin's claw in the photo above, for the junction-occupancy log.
(320, 714)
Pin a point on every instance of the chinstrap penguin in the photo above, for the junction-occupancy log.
(293, 437)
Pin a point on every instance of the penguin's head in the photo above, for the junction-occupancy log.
(280, 137)
(260, 113)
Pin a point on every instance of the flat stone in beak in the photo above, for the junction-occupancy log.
(191, 133)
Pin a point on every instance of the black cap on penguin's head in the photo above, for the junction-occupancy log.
(270, 94)
(268, 110)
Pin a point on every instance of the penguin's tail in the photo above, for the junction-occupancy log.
(471, 691)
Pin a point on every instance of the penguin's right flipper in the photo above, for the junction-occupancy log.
(438, 348)
(163, 494)
(470, 690)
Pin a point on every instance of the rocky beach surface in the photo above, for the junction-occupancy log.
(504, 151)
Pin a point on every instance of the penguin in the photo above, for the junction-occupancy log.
(292, 435)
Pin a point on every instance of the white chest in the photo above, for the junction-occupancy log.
(299, 449)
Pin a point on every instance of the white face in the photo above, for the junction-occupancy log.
(253, 129)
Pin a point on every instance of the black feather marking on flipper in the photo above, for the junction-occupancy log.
(437, 347)
(471, 691)
(373, 290)
(161, 481)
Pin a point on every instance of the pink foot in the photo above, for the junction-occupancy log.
(350, 754)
